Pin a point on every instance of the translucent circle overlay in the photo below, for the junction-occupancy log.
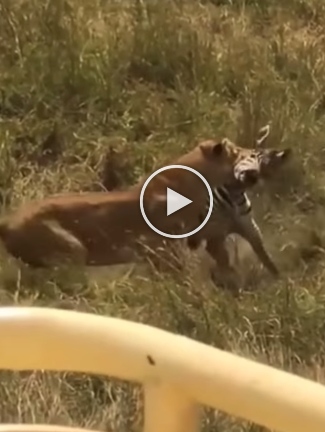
(176, 236)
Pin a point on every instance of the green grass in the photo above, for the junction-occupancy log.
(150, 78)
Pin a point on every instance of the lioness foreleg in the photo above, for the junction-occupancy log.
(67, 249)
(216, 247)
(46, 244)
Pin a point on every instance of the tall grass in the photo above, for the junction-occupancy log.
(148, 79)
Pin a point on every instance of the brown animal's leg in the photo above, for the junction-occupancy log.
(216, 248)
(69, 249)
(45, 244)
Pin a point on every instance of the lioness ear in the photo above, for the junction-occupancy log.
(218, 149)
(212, 148)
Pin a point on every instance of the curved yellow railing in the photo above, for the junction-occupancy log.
(178, 374)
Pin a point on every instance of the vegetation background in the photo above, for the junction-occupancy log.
(92, 95)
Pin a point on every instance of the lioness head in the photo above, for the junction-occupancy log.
(220, 159)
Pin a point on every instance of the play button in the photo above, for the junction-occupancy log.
(164, 208)
(175, 201)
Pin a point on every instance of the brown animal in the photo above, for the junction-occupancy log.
(105, 228)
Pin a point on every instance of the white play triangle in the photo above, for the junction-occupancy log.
(175, 201)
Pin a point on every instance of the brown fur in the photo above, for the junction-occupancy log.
(105, 228)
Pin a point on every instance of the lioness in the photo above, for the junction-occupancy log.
(99, 229)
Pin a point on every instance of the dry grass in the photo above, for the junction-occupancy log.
(148, 79)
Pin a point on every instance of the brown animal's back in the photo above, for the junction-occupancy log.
(102, 222)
